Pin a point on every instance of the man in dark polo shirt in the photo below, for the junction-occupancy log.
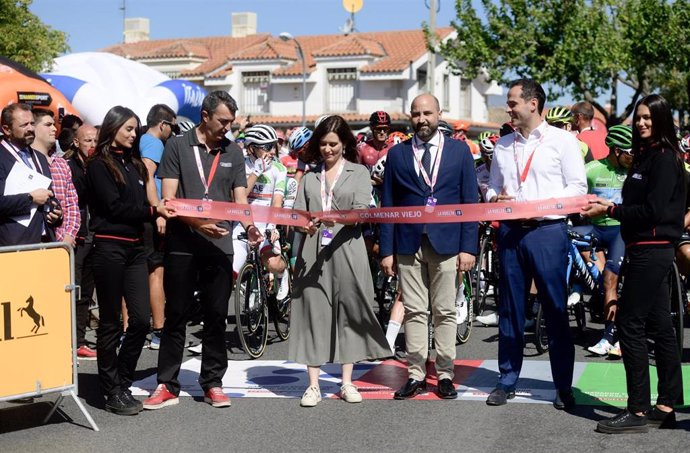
(201, 164)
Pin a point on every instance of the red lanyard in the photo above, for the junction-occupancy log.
(327, 200)
(200, 167)
(437, 163)
(523, 176)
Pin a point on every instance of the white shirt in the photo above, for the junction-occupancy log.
(433, 149)
(557, 169)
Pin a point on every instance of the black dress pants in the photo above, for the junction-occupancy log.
(644, 312)
(83, 276)
(120, 270)
(214, 274)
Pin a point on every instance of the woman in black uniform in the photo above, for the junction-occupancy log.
(651, 217)
(116, 180)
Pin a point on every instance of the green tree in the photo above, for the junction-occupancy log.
(579, 47)
(27, 40)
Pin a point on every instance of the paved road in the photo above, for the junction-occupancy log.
(256, 424)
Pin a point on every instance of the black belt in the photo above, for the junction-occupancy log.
(533, 223)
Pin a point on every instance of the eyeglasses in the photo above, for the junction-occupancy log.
(264, 146)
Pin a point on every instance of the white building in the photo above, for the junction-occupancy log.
(351, 75)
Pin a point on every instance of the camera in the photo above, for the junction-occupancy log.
(51, 205)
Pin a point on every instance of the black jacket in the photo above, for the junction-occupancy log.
(79, 180)
(653, 199)
(11, 232)
(118, 211)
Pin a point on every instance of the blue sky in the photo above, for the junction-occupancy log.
(94, 24)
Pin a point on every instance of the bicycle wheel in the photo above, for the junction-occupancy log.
(464, 329)
(677, 306)
(541, 340)
(482, 277)
(251, 311)
(281, 309)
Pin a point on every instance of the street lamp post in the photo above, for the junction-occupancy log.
(285, 36)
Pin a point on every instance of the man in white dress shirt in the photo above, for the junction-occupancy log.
(535, 162)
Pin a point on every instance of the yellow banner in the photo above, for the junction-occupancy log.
(35, 321)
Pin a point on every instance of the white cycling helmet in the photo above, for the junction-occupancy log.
(319, 120)
(378, 168)
(260, 134)
(299, 138)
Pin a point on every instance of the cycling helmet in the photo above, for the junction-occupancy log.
(379, 167)
(260, 134)
(557, 115)
(685, 144)
(486, 145)
(396, 137)
(483, 135)
(379, 118)
(619, 136)
(506, 128)
(319, 120)
(299, 138)
(445, 128)
(461, 126)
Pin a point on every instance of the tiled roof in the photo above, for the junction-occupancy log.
(397, 117)
(393, 51)
(351, 45)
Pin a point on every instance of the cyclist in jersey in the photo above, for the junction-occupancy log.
(295, 167)
(683, 247)
(605, 179)
(369, 152)
(266, 182)
(487, 140)
(562, 118)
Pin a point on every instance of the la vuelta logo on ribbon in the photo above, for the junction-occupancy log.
(448, 213)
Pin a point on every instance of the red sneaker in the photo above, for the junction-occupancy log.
(216, 398)
(86, 353)
(160, 398)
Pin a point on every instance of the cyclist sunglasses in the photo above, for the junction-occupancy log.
(264, 146)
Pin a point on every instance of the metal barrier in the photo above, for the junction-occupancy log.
(38, 347)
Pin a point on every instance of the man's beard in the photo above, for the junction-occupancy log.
(425, 131)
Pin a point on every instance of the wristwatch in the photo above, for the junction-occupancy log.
(31, 198)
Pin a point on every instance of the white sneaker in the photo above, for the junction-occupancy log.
(488, 320)
(311, 397)
(615, 351)
(601, 348)
(349, 393)
(284, 286)
(574, 298)
(195, 349)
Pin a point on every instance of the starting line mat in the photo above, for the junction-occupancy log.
(594, 383)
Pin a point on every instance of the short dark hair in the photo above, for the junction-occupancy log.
(70, 120)
(337, 124)
(158, 114)
(215, 98)
(66, 140)
(583, 108)
(8, 112)
(40, 113)
(530, 90)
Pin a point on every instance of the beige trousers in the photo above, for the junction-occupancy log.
(428, 278)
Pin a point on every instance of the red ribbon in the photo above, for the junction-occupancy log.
(447, 213)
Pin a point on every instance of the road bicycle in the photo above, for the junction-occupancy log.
(485, 273)
(256, 301)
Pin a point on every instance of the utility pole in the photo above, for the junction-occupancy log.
(431, 58)
(123, 8)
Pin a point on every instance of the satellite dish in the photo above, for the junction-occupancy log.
(352, 6)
